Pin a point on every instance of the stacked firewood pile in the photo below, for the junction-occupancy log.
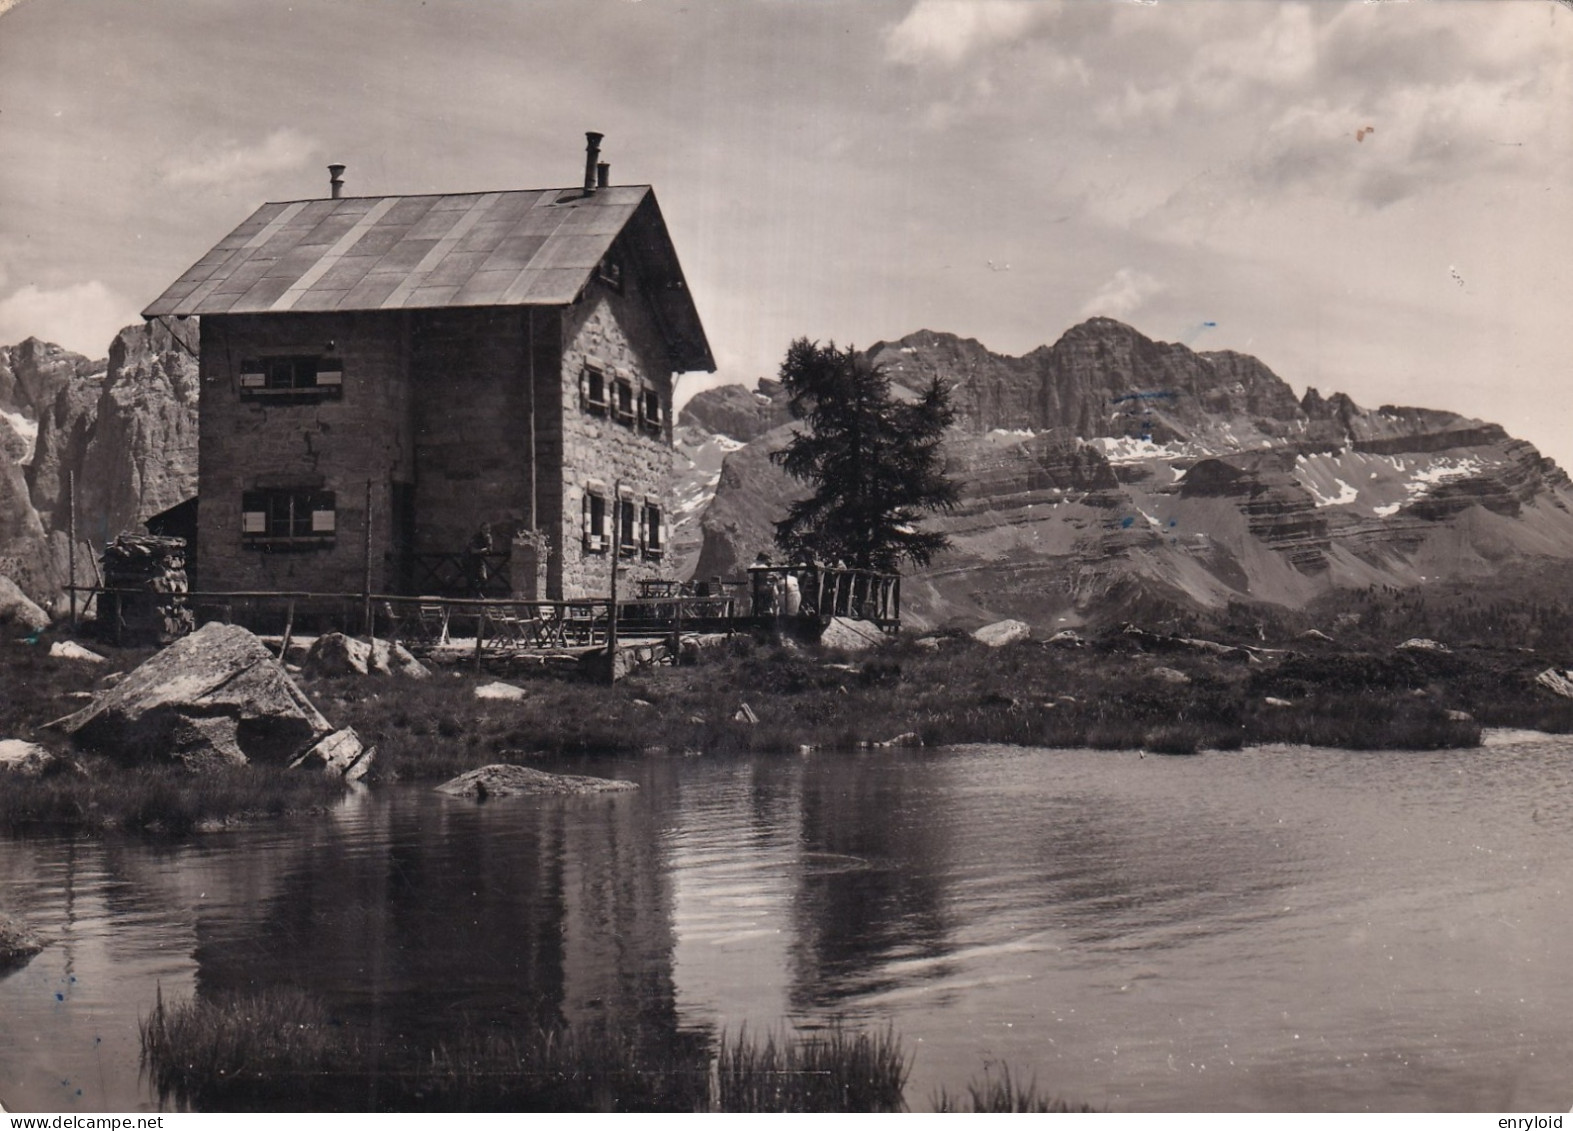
(145, 579)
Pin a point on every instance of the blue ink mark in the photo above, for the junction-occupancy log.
(1210, 325)
(1173, 522)
(72, 978)
(1127, 522)
(59, 996)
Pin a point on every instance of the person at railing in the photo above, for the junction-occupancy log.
(791, 594)
(475, 566)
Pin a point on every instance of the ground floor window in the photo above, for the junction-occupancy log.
(595, 531)
(650, 522)
(627, 527)
(287, 518)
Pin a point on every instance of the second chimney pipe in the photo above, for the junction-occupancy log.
(592, 155)
(336, 180)
(603, 174)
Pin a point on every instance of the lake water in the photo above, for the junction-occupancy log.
(1278, 928)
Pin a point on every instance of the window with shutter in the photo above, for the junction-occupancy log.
(627, 528)
(594, 387)
(650, 411)
(287, 378)
(623, 401)
(594, 521)
(653, 534)
(287, 519)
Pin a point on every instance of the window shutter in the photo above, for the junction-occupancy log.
(330, 373)
(323, 518)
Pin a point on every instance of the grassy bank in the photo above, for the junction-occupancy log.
(1124, 691)
(96, 794)
(280, 1049)
(1108, 696)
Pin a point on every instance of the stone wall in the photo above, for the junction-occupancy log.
(440, 401)
(334, 445)
(613, 329)
(470, 382)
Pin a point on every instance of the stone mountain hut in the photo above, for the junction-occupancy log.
(489, 361)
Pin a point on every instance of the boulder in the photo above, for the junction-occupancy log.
(25, 759)
(850, 635)
(1002, 632)
(503, 780)
(499, 690)
(215, 697)
(341, 754)
(1558, 683)
(17, 942)
(1422, 644)
(71, 650)
(337, 655)
(1068, 638)
(18, 612)
(1170, 675)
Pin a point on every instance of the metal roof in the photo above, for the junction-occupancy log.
(533, 247)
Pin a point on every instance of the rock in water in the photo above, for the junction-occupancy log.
(341, 754)
(1002, 632)
(503, 780)
(216, 696)
(17, 943)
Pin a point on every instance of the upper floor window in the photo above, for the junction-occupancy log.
(285, 376)
(284, 518)
(594, 387)
(650, 410)
(611, 273)
(623, 400)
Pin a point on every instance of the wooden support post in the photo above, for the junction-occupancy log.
(71, 534)
(480, 635)
(366, 577)
(617, 554)
(289, 624)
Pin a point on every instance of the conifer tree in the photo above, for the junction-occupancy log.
(876, 463)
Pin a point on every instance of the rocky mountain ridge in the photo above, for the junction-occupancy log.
(125, 426)
(1108, 465)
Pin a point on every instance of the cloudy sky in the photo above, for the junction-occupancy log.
(1372, 197)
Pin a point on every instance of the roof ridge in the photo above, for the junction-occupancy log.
(467, 192)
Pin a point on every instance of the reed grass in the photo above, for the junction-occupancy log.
(834, 1071)
(280, 1049)
(1001, 1094)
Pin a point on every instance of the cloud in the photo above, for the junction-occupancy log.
(947, 31)
(231, 163)
(1126, 292)
(83, 316)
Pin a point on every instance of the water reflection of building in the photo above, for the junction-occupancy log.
(423, 916)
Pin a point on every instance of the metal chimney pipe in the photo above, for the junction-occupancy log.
(592, 154)
(336, 180)
(603, 174)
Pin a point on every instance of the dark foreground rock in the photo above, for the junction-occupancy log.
(503, 780)
(216, 697)
(17, 943)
